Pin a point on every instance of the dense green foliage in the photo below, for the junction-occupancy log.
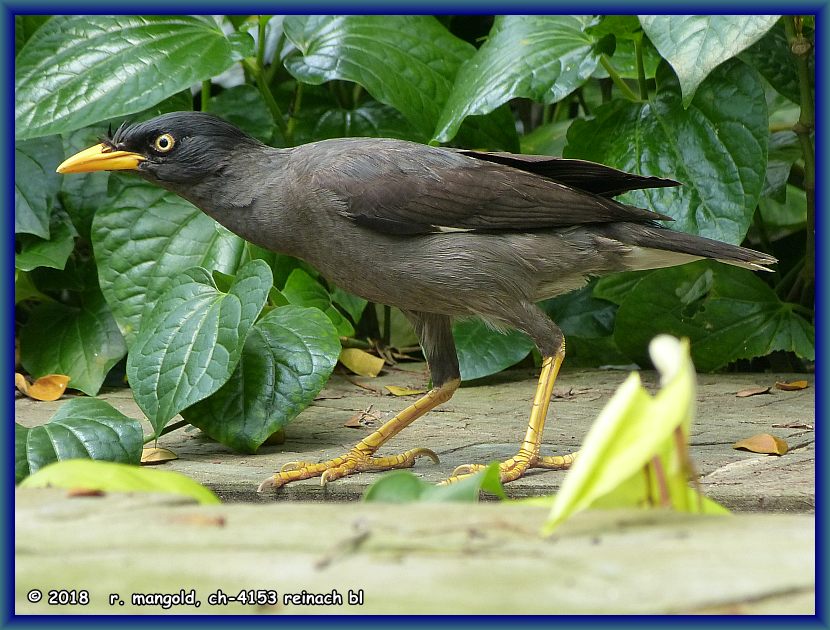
(107, 264)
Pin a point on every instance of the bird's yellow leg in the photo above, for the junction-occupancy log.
(360, 457)
(528, 455)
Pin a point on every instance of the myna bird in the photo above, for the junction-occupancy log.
(439, 233)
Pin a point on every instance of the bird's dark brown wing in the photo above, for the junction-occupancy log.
(406, 188)
(580, 174)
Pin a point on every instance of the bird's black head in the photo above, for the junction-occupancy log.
(181, 148)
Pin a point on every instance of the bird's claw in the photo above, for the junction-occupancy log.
(515, 467)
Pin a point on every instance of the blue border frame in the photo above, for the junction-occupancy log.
(7, 12)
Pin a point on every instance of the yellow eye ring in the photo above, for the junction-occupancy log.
(164, 143)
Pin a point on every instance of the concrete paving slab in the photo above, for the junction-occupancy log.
(405, 559)
(485, 421)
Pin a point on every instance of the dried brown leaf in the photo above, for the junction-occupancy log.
(792, 386)
(763, 443)
(753, 391)
(84, 492)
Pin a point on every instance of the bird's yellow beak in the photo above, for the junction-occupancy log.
(101, 158)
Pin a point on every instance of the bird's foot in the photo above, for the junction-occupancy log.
(515, 467)
(354, 461)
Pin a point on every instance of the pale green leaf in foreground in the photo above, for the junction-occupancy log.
(110, 477)
(632, 430)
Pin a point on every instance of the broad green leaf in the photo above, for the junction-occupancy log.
(144, 237)
(716, 148)
(616, 286)
(82, 342)
(115, 477)
(784, 151)
(371, 119)
(190, 342)
(52, 252)
(695, 45)
(406, 61)
(244, 106)
(79, 69)
(401, 486)
(287, 359)
(588, 325)
(303, 290)
(36, 184)
(24, 28)
(772, 57)
(631, 431)
(728, 313)
(540, 57)
(789, 215)
(350, 303)
(25, 288)
(81, 428)
(546, 139)
(483, 351)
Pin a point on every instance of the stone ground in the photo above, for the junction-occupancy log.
(445, 558)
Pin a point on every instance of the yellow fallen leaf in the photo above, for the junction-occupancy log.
(762, 443)
(47, 388)
(361, 362)
(151, 456)
(792, 386)
(403, 391)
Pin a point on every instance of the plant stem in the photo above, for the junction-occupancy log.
(295, 107)
(617, 79)
(641, 69)
(581, 98)
(205, 94)
(275, 110)
(802, 48)
(168, 429)
(260, 49)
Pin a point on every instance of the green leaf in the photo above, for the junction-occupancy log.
(727, 313)
(631, 432)
(406, 61)
(716, 148)
(190, 342)
(144, 237)
(370, 119)
(24, 28)
(25, 288)
(401, 486)
(588, 325)
(287, 359)
(483, 351)
(787, 216)
(52, 252)
(546, 139)
(784, 151)
(616, 286)
(36, 184)
(81, 342)
(79, 69)
(303, 290)
(351, 304)
(695, 45)
(244, 106)
(772, 57)
(540, 57)
(113, 477)
(81, 428)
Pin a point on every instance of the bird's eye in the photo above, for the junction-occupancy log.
(164, 143)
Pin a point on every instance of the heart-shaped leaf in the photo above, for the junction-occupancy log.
(191, 340)
(727, 313)
(695, 45)
(716, 148)
(303, 290)
(541, 57)
(82, 342)
(483, 351)
(79, 69)
(36, 184)
(52, 252)
(81, 428)
(288, 357)
(144, 237)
